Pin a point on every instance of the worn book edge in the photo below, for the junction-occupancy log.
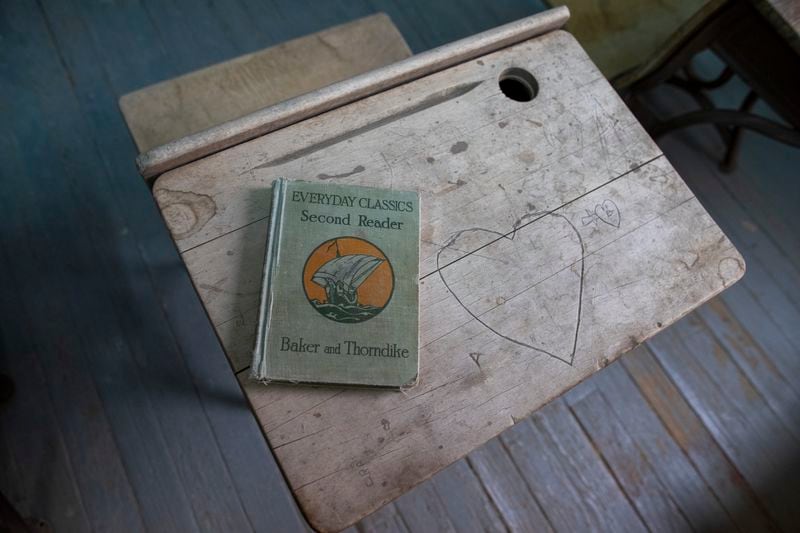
(258, 367)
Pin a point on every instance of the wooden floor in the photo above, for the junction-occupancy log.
(126, 416)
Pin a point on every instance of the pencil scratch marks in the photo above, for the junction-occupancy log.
(606, 212)
(567, 358)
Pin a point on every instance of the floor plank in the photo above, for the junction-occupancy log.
(567, 477)
(734, 412)
(754, 363)
(253, 471)
(635, 419)
(29, 431)
(141, 362)
(423, 510)
(79, 411)
(627, 462)
(747, 300)
(507, 488)
(387, 519)
(166, 450)
(190, 33)
(467, 505)
(696, 441)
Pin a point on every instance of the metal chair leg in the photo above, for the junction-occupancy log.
(728, 163)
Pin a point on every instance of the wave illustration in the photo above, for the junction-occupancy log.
(346, 312)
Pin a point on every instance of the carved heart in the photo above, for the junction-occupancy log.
(526, 286)
(608, 212)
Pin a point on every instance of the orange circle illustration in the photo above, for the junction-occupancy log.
(348, 279)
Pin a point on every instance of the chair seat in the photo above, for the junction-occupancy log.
(620, 35)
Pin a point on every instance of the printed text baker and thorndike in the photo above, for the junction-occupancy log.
(300, 345)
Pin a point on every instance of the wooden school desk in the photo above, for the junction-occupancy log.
(555, 236)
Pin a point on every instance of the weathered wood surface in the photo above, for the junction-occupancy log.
(665, 402)
(655, 474)
(217, 138)
(199, 100)
(528, 285)
(507, 488)
(551, 445)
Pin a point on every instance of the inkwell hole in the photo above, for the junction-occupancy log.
(518, 84)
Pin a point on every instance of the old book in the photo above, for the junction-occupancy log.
(339, 299)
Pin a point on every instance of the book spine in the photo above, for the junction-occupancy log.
(258, 367)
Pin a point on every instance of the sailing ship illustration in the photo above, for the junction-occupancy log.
(341, 277)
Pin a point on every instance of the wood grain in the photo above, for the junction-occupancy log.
(422, 509)
(628, 464)
(651, 467)
(467, 505)
(769, 296)
(687, 430)
(539, 289)
(385, 520)
(267, 120)
(754, 363)
(509, 491)
(739, 414)
(196, 101)
(551, 445)
(30, 410)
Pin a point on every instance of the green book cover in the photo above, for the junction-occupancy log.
(339, 300)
